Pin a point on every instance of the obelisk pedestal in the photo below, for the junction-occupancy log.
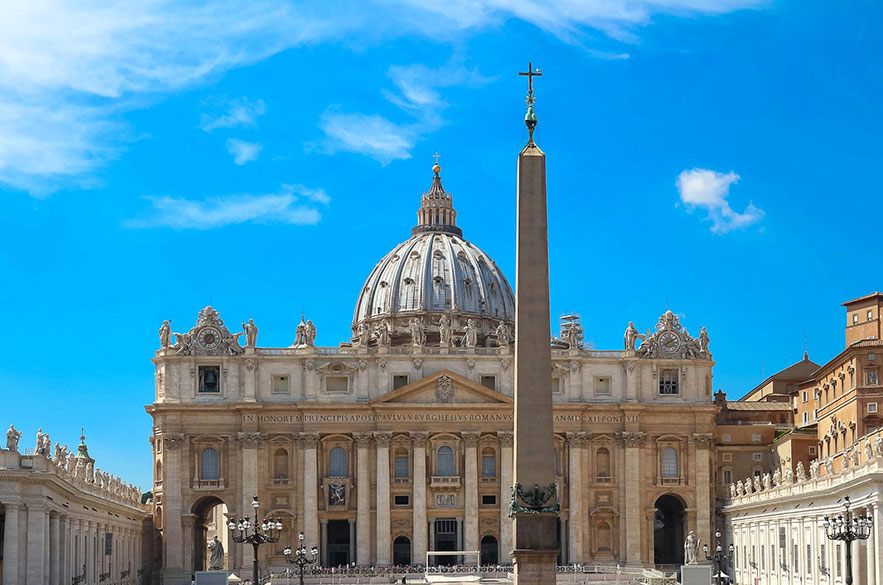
(534, 505)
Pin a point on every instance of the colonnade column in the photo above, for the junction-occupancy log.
(633, 508)
(418, 522)
(505, 438)
(310, 442)
(363, 499)
(576, 442)
(10, 543)
(35, 542)
(383, 537)
(470, 535)
(54, 548)
(65, 563)
(871, 554)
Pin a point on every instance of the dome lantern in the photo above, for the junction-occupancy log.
(436, 213)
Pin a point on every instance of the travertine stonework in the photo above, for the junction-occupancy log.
(419, 401)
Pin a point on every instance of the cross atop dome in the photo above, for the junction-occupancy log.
(436, 213)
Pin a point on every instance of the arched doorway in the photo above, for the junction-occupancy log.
(668, 531)
(489, 551)
(210, 521)
(401, 551)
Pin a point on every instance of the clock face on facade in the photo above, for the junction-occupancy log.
(669, 341)
(209, 338)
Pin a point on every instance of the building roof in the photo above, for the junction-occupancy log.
(759, 406)
(798, 372)
(874, 294)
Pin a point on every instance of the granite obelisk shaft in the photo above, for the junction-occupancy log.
(535, 535)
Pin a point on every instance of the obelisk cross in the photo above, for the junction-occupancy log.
(530, 119)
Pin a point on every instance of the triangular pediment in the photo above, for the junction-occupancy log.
(443, 387)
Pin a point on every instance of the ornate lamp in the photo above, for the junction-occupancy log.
(244, 531)
(718, 557)
(300, 556)
(846, 527)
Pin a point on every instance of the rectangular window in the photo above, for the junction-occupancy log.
(602, 386)
(336, 384)
(755, 438)
(757, 456)
(209, 379)
(855, 319)
(399, 380)
(805, 418)
(488, 466)
(728, 477)
(401, 467)
(280, 385)
(489, 500)
(489, 382)
(804, 396)
(401, 500)
(872, 407)
(812, 450)
(726, 456)
(726, 437)
(668, 382)
(556, 386)
(870, 315)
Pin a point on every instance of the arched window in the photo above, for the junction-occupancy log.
(605, 540)
(602, 463)
(158, 517)
(445, 463)
(210, 469)
(669, 463)
(337, 462)
(158, 475)
(280, 464)
(488, 463)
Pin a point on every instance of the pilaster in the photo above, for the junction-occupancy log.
(470, 535)
(10, 543)
(363, 499)
(506, 482)
(36, 569)
(383, 534)
(576, 442)
(310, 443)
(418, 543)
(633, 442)
(702, 442)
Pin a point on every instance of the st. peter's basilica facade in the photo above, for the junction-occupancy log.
(399, 440)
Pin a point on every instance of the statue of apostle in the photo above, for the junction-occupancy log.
(251, 333)
(216, 560)
(165, 335)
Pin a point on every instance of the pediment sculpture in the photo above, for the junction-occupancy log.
(670, 340)
(208, 337)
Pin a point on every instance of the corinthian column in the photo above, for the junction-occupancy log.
(703, 485)
(470, 527)
(383, 536)
(418, 544)
(36, 543)
(632, 442)
(248, 444)
(54, 548)
(310, 442)
(506, 440)
(576, 441)
(363, 499)
(173, 535)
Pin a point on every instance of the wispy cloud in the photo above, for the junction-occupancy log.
(69, 69)
(237, 113)
(242, 151)
(708, 190)
(371, 135)
(287, 206)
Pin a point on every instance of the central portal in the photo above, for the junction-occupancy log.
(338, 543)
(446, 539)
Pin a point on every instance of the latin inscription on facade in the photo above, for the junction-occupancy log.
(426, 417)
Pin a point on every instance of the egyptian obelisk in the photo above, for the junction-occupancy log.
(534, 505)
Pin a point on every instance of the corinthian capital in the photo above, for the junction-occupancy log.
(309, 440)
(507, 438)
(703, 440)
(250, 440)
(172, 441)
(363, 440)
(631, 439)
(470, 438)
(382, 439)
(419, 438)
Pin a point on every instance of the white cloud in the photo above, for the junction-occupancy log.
(238, 113)
(708, 190)
(371, 135)
(243, 152)
(215, 212)
(69, 69)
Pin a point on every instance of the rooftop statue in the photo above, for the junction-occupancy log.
(444, 331)
(470, 336)
(165, 335)
(12, 437)
(251, 333)
(631, 336)
(418, 335)
(801, 472)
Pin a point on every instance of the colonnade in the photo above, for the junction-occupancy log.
(48, 544)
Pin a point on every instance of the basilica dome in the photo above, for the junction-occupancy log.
(433, 274)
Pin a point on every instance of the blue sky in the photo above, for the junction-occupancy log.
(716, 157)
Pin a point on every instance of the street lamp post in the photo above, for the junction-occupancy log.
(254, 534)
(301, 559)
(848, 528)
(718, 556)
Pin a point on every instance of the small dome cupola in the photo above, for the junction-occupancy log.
(436, 213)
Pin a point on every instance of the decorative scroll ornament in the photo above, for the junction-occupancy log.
(537, 500)
(444, 389)
(669, 341)
(209, 336)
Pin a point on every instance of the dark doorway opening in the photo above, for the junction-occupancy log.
(338, 543)
(489, 551)
(668, 531)
(210, 521)
(445, 540)
(401, 551)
